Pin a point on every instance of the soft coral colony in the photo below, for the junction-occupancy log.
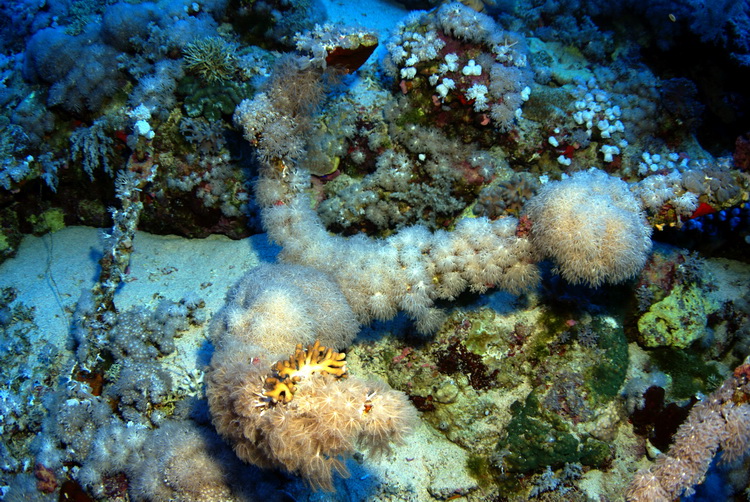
(476, 156)
(304, 413)
(304, 416)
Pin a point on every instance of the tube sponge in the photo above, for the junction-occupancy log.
(592, 226)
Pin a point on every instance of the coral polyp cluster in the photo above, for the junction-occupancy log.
(329, 419)
(345, 47)
(300, 413)
(302, 364)
(461, 67)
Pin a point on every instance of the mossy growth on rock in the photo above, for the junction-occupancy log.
(552, 323)
(480, 468)
(212, 101)
(607, 374)
(537, 438)
(483, 332)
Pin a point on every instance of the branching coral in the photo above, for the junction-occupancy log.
(277, 121)
(212, 58)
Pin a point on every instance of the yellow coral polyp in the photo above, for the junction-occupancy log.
(281, 391)
(315, 359)
(303, 363)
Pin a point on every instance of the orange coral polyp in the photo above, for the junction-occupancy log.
(316, 359)
(282, 391)
(302, 364)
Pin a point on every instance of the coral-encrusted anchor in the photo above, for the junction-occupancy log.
(280, 387)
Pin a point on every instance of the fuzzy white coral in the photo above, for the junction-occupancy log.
(592, 226)
(290, 297)
(478, 93)
(402, 272)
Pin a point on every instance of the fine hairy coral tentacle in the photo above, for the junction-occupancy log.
(303, 363)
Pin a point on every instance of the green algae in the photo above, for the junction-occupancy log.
(537, 438)
(608, 373)
(678, 320)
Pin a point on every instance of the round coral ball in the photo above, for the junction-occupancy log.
(592, 226)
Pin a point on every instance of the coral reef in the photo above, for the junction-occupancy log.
(535, 441)
(506, 197)
(462, 63)
(468, 225)
(721, 421)
(78, 67)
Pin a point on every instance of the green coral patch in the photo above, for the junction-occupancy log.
(608, 374)
(678, 320)
(552, 325)
(536, 439)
